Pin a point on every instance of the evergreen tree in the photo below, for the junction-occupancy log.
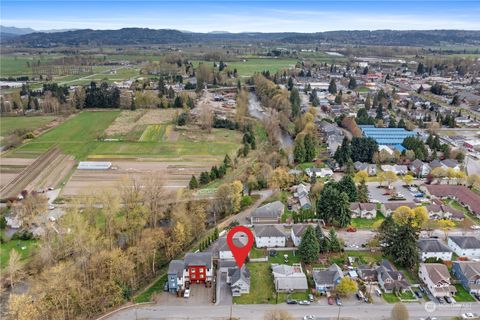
(299, 151)
(379, 115)
(334, 244)
(204, 178)
(193, 184)
(309, 143)
(402, 124)
(333, 206)
(338, 98)
(295, 102)
(343, 153)
(347, 185)
(133, 107)
(332, 87)
(227, 161)
(290, 84)
(368, 103)
(322, 240)
(349, 168)
(352, 84)
(362, 192)
(309, 249)
(392, 123)
(213, 173)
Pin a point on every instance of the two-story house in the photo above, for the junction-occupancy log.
(327, 279)
(268, 214)
(390, 279)
(437, 279)
(363, 210)
(239, 280)
(465, 246)
(433, 248)
(269, 236)
(297, 232)
(195, 268)
(468, 272)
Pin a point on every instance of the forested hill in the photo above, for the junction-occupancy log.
(143, 36)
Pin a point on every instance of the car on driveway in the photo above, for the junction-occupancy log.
(448, 299)
(304, 303)
(418, 294)
(310, 297)
(186, 294)
(338, 301)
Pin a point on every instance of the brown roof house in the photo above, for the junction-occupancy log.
(437, 279)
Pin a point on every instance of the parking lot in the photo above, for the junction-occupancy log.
(199, 295)
(378, 193)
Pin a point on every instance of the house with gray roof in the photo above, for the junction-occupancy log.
(370, 168)
(175, 275)
(268, 214)
(420, 168)
(389, 278)
(389, 208)
(465, 246)
(289, 278)
(222, 250)
(433, 248)
(468, 272)
(296, 233)
(269, 236)
(239, 280)
(440, 211)
(301, 195)
(363, 210)
(327, 279)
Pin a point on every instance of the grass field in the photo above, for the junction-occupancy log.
(249, 67)
(76, 136)
(362, 223)
(261, 285)
(154, 132)
(16, 65)
(9, 124)
(17, 245)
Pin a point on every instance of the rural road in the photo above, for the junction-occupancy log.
(357, 311)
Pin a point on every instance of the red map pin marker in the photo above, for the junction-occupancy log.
(240, 254)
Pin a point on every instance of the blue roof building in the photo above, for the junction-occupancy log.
(392, 137)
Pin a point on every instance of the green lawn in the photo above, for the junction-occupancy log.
(9, 124)
(362, 223)
(76, 136)
(261, 285)
(280, 259)
(17, 245)
(407, 295)
(462, 295)
(456, 205)
(283, 297)
(390, 297)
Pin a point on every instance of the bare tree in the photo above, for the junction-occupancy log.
(272, 125)
(14, 267)
(155, 197)
(205, 117)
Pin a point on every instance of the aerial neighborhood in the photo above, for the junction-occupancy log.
(129, 155)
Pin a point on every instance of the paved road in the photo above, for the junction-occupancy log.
(473, 165)
(370, 312)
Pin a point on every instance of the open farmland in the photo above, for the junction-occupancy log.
(8, 125)
(76, 136)
(17, 65)
(250, 66)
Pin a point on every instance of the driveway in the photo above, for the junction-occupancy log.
(224, 294)
(199, 295)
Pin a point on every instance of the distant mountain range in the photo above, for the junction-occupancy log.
(145, 36)
(12, 32)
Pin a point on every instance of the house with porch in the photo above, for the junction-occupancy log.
(437, 279)
(390, 279)
(327, 279)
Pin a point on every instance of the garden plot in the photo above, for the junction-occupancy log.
(175, 174)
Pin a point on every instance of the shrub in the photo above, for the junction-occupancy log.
(246, 201)
(22, 235)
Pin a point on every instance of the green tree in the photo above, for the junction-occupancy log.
(347, 185)
(322, 240)
(352, 84)
(379, 114)
(309, 249)
(362, 191)
(295, 102)
(332, 87)
(299, 151)
(368, 102)
(193, 184)
(310, 151)
(333, 206)
(334, 244)
(204, 178)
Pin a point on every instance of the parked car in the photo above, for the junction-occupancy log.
(469, 315)
(304, 303)
(418, 294)
(475, 227)
(291, 301)
(378, 292)
(351, 229)
(477, 296)
(441, 300)
(186, 294)
(309, 317)
(51, 207)
(310, 297)
(448, 299)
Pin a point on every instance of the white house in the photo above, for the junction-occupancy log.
(269, 236)
(319, 173)
(437, 279)
(239, 280)
(289, 278)
(465, 246)
(433, 248)
(297, 232)
(363, 210)
(224, 252)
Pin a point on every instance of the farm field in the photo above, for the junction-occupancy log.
(9, 124)
(249, 67)
(76, 136)
(16, 65)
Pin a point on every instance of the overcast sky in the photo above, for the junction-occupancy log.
(240, 16)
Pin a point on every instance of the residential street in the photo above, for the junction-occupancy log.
(371, 312)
